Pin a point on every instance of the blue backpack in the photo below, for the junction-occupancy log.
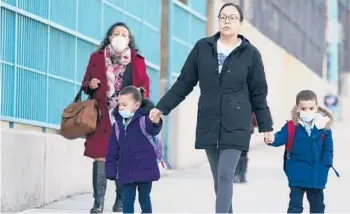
(155, 141)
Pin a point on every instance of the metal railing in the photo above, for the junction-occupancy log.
(46, 45)
(186, 27)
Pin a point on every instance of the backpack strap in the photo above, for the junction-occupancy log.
(152, 139)
(143, 129)
(291, 134)
(117, 131)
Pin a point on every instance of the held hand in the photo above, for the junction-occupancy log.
(154, 115)
(269, 137)
(94, 83)
(154, 120)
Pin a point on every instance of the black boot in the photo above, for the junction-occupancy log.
(244, 168)
(99, 183)
(118, 204)
(237, 177)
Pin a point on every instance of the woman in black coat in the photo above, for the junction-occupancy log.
(232, 84)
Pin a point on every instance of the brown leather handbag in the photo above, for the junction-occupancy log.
(80, 118)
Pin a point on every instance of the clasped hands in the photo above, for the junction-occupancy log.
(154, 115)
(269, 137)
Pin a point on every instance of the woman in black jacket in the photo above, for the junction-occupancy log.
(232, 83)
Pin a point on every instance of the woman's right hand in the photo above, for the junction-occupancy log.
(154, 115)
(94, 83)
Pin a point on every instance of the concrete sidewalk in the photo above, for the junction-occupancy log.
(191, 190)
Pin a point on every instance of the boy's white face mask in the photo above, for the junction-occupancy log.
(307, 116)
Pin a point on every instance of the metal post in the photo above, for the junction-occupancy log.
(170, 43)
(169, 70)
(333, 38)
(47, 68)
(15, 62)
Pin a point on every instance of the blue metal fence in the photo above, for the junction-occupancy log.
(187, 24)
(46, 46)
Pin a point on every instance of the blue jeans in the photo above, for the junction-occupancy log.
(144, 191)
(314, 196)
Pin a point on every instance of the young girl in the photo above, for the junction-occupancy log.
(131, 158)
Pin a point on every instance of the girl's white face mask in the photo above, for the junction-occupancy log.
(119, 43)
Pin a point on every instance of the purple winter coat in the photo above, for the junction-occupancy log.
(132, 158)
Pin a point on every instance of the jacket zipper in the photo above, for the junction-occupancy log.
(313, 180)
(127, 148)
(311, 166)
(217, 69)
(224, 65)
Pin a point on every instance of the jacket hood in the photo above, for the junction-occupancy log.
(323, 120)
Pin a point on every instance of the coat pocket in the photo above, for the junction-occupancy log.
(237, 116)
(204, 123)
(207, 131)
(322, 175)
(298, 171)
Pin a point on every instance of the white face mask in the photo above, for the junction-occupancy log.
(126, 114)
(307, 116)
(119, 43)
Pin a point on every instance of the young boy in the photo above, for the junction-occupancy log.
(131, 158)
(311, 157)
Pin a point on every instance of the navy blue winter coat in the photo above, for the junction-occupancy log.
(311, 158)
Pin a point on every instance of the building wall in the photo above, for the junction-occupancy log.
(297, 26)
(39, 168)
(188, 24)
(344, 46)
(45, 47)
(47, 44)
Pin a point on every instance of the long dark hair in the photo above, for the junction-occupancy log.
(106, 41)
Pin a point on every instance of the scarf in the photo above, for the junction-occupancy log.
(115, 65)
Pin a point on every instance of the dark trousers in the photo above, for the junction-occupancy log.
(222, 165)
(241, 169)
(144, 192)
(314, 196)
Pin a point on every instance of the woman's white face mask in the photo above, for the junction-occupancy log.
(119, 43)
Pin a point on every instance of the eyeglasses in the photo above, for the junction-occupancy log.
(232, 18)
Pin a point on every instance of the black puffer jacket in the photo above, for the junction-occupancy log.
(228, 99)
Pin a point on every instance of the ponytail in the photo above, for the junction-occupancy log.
(143, 93)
